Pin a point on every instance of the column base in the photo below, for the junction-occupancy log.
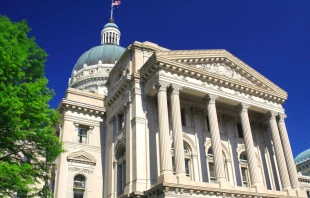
(290, 192)
(166, 178)
(301, 193)
(224, 184)
(260, 188)
(183, 179)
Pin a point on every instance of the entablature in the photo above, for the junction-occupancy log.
(80, 107)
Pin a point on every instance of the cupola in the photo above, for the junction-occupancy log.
(110, 33)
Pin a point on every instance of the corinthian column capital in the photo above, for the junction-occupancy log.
(176, 89)
(282, 116)
(210, 99)
(162, 86)
(272, 115)
(243, 107)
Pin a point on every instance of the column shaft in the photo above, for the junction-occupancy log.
(249, 145)
(177, 132)
(215, 139)
(288, 153)
(163, 127)
(279, 152)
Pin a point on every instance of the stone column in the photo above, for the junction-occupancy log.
(279, 151)
(177, 131)
(163, 128)
(288, 152)
(215, 139)
(249, 145)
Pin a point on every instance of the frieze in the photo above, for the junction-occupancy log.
(81, 170)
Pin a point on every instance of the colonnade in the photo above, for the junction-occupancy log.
(283, 152)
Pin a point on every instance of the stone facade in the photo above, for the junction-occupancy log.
(197, 123)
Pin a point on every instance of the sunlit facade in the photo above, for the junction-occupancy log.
(146, 121)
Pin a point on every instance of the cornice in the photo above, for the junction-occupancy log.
(157, 62)
(84, 93)
(80, 107)
(118, 89)
(198, 56)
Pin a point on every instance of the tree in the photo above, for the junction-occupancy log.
(27, 124)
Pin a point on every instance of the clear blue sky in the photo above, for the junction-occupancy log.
(272, 36)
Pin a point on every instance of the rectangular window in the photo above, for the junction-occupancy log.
(187, 167)
(244, 172)
(121, 123)
(211, 173)
(183, 118)
(240, 131)
(82, 135)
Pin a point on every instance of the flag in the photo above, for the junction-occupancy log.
(115, 4)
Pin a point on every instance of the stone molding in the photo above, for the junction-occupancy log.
(118, 90)
(80, 107)
(264, 88)
(82, 157)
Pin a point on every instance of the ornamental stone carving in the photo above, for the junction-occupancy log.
(223, 70)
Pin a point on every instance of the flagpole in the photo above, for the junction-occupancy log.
(112, 10)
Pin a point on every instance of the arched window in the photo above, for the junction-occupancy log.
(211, 169)
(79, 186)
(187, 160)
(243, 161)
(121, 169)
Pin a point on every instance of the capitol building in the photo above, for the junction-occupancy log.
(149, 122)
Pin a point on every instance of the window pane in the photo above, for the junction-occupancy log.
(211, 170)
(187, 167)
(244, 177)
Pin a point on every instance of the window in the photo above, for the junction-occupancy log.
(211, 172)
(82, 135)
(79, 186)
(240, 131)
(187, 160)
(210, 162)
(244, 173)
(121, 123)
(183, 118)
(243, 161)
(121, 169)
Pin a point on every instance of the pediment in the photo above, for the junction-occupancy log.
(81, 157)
(221, 66)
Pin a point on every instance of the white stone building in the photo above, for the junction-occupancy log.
(147, 121)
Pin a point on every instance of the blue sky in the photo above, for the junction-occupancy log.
(272, 36)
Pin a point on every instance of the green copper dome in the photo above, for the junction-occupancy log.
(303, 156)
(110, 25)
(106, 53)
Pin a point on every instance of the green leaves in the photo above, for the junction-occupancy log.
(27, 124)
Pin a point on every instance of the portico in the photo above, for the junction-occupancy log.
(256, 95)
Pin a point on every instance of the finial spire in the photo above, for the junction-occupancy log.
(111, 20)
